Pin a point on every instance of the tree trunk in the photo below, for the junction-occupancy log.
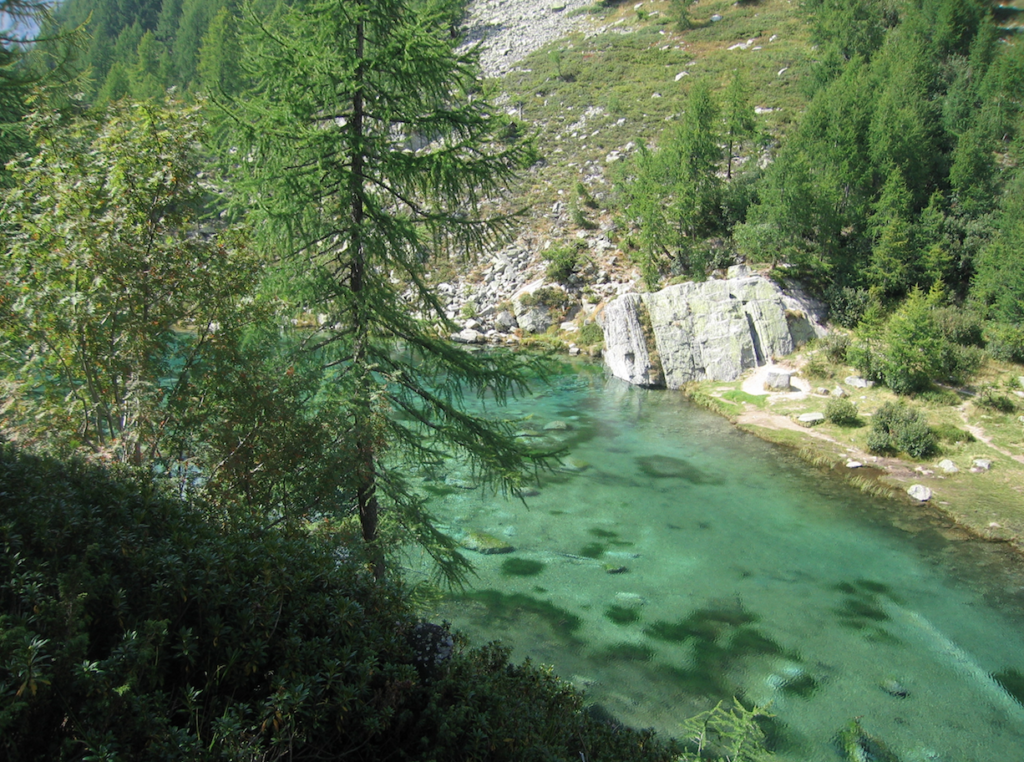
(366, 469)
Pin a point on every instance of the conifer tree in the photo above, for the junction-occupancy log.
(369, 154)
(739, 118)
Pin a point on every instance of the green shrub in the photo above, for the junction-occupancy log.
(835, 346)
(548, 296)
(939, 396)
(959, 326)
(846, 305)
(947, 432)
(910, 355)
(959, 363)
(990, 399)
(915, 439)
(819, 367)
(879, 441)
(1006, 342)
(898, 428)
(133, 627)
(841, 412)
(861, 356)
(589, 335)
(563, 262)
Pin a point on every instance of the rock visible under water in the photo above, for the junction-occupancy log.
(484, 543)
(894, 687)
(857, 745)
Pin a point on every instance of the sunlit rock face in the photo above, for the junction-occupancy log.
(706, 331)
(625, 346)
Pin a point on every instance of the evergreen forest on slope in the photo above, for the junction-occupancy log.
(209, 570)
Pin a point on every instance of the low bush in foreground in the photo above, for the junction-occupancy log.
(135, 628)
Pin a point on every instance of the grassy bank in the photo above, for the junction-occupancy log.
(981, 422)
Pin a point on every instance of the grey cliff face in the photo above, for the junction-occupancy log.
(626, 351)
(706, 331)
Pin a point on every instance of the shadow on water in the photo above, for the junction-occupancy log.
(782, 588)
(862, 608)
(504, 608)
(667, 467)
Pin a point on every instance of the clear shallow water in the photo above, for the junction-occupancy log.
(740, 571)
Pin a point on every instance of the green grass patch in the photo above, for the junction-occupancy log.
(740, 396)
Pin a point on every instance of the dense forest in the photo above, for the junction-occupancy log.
(188, 180)
(901, 179)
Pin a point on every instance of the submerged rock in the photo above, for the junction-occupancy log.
(667, 467)
(630, 599)
(484, 543)
(894, 688)
(857, 745)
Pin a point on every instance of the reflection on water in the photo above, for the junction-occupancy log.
(673, 561)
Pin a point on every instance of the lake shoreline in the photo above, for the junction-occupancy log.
(966, 503)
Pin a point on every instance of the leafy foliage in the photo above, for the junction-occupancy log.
(896, 427)
(134, 627)
(841, 412)
(564, 262)
(105, 265)
(674, 194)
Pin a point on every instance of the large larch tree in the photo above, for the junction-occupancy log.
(365, 154)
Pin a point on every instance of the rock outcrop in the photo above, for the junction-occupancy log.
(706, 331)
(625, 346)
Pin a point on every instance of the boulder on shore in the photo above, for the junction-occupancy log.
(920, 492)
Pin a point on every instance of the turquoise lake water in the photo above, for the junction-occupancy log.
(676, 561)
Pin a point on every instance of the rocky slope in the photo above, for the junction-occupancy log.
(509, 30)
(686, 332)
